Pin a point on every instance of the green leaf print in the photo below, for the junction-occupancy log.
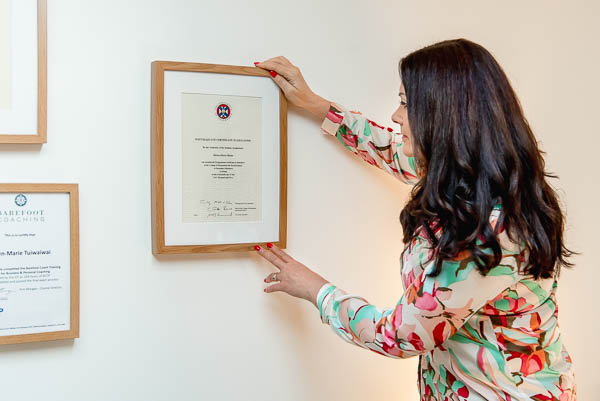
(411, 163)
(367, 128)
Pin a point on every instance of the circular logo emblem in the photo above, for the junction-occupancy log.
(20, 200)
(223, 111)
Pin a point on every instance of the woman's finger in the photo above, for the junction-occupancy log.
(271, 257)
(285, 258)
(279, 79)
(280, 69)
(281, 254)
(283, 83)
(274, 288)
(270, 279)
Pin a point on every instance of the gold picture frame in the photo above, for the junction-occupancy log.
(40, 135)
(159, 246)
(73, 191)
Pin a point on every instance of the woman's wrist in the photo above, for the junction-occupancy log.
(318, 106)
(314, 288)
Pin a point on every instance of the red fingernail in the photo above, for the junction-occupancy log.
(269, 245)
(257, 247)
(256, 62)
(265, 280)
(273, 73)
(265, 290)
(390, 129)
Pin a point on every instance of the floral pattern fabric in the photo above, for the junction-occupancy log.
(492, 337)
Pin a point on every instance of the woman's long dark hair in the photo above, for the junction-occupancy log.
(476, 150)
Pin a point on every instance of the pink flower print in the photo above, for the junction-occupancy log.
(384, 152)
(566, 395)
(426, 302)
(397, 322)
(408, 278)
(414, 339)
(349, 140)
(336, 118)
(507, 304)
(531, 364)
(531, 361)
(391, 350)
(438, 333)
(367, 157)
(388, 339)
(519, 305)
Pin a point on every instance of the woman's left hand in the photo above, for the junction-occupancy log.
(293, 277)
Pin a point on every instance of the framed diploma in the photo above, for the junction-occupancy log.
(39, 262)
(22, 71)
(219, 157)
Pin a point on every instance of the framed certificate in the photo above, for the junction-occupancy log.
(22, 71)
(39, 262)
(219, 157)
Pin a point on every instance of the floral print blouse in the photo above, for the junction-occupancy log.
(492, 337)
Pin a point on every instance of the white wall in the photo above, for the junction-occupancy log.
(200, 327)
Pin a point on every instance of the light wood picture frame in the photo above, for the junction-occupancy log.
(32, 129)
(72, 298)
(162, 163)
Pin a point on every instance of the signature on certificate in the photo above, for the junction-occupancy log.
(218, 208)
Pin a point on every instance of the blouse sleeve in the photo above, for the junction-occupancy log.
(430, 311)
(377, 145)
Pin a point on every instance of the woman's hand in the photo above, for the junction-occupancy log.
(289, 78)
(293, 277)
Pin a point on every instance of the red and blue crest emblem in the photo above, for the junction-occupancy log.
(223, 111)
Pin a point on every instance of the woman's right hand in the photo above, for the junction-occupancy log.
(289, 78)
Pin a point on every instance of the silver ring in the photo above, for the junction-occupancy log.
(274, 277)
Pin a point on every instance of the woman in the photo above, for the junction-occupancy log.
(483, 233)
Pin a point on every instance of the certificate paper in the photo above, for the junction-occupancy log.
(34, 263)
(221, 158)
(5, 54)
